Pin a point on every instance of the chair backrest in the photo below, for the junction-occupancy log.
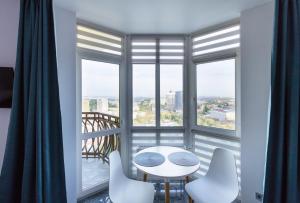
(222, 170)
(117, 179)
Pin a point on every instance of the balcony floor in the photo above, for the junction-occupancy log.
(94, 172)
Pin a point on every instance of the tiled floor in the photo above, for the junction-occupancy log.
(94, 172)
(177, 196)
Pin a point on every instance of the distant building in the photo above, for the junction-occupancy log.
(217, 115)
(222, 115)
(86, 105)
(170, 101)
(178, 100)
(230, 115)
(102, 105)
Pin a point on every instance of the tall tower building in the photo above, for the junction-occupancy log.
(178, 100)
(170, 101)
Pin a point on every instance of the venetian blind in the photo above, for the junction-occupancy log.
(227, 38)
(99, 41)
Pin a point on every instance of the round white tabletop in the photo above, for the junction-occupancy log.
(167, 170)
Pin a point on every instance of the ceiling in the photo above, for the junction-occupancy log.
(158, 16)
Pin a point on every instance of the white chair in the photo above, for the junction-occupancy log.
(220, 184)
(123, 189)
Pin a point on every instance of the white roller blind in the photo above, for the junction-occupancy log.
(171, 51)
(99, 41)
(152, 50)
(216, 41)
(143, 51)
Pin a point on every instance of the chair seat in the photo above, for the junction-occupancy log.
(135, 192)
(204, 190)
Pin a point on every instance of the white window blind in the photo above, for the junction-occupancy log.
(205, 146)
(143, 51)
(171, 51)
(152, 50)
(96, 40)
(227, 38)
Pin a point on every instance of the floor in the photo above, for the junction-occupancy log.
(94, 172)
(176, 197)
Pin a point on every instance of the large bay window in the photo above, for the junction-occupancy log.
(174, 90)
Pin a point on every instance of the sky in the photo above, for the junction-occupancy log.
(216, 79)
(213, 79)
(100, 79)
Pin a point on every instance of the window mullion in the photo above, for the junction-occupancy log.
(157, 90)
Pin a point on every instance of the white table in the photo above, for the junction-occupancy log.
(167, 170)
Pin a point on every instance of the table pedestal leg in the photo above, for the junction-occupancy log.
(167, 192)
(145, 177)
(187, 180)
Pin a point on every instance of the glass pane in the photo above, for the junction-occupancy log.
(171, 95)
(100, 111)
(143, 94)
(100, 95)
(216, 94)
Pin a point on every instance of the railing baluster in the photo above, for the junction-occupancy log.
(100, 146)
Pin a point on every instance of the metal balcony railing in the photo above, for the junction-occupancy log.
(99, 146)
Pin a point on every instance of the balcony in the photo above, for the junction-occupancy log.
(96, 146)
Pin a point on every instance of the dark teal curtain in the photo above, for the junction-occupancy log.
(33, 166)
(283, 160)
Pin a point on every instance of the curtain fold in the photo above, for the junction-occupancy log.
(33, 165)
(283, 160)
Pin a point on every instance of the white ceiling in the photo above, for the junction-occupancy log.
(159, 16)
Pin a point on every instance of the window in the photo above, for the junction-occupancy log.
(214, 54)
(171, 95)
(157, 81)
(100, 112)
(100, 87)
(101, 55)
(143, 95)
(216, 94)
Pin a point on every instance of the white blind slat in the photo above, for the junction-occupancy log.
(216, 41)
(99, 41)
(143, 50)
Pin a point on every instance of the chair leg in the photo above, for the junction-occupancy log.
(167, 192)
(187, 180)
(145, 177)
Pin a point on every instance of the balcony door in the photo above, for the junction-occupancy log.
(100, 121)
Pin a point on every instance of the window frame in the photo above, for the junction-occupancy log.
(157, 126)
(207, 58)
(208, 128)
(158, 129)
(85, 54)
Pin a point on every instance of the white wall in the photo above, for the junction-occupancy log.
(256, 45)
(65, 24)
(9, 9)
